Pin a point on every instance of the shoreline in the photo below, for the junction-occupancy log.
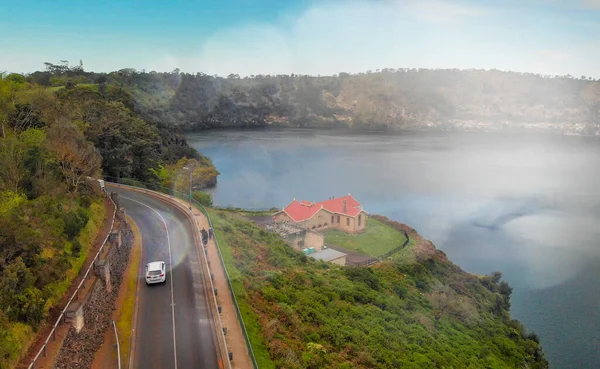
(525, 128)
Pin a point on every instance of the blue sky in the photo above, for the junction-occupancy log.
(303, 36)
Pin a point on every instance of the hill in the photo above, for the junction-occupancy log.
(386, 99)
(50, 141)
(416, 310)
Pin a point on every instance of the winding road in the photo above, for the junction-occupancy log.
(173, 328)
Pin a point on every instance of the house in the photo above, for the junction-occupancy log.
(343, 213)
(330, 255)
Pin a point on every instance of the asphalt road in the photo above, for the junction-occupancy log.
(173, 329)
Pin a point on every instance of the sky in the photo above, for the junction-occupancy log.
(316, 37)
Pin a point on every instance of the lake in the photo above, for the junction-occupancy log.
(527, 205)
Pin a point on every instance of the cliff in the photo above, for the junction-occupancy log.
(387, 99)
(415, 310)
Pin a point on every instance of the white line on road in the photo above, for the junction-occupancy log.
(170, 272)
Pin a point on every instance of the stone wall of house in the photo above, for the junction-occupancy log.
(296, 239)
(314, 239)
(321, 220)
(79, 348)
(324, 219)
(350, 224)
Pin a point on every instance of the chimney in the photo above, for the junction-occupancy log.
(344, 210)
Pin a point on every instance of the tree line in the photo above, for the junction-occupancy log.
(388, 98)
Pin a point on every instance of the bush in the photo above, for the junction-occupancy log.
(85, 201)
(74, 223)
(86, 189)
(203, 198)
(76, 248)
(132, 182)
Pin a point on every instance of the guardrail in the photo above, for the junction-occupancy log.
(82, 283)
(118, 346)
(153, 187)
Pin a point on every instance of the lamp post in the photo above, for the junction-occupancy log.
(190, 191)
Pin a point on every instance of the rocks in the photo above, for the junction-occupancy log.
(78, 349)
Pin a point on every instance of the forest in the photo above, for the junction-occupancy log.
(416, 310)
(51, 140)
(384, 99)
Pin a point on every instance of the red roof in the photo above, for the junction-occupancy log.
(303, 210)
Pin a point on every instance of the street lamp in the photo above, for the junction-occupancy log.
(190, 192)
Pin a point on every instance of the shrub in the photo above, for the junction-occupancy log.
(203, 198)
(85, 201)
(132, 182)
(86, 189)
(76, 248)
(74, 222)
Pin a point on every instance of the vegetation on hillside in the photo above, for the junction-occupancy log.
(50, 141)
(420, 312)
(389, 98)
(130, 146)
(48, 221)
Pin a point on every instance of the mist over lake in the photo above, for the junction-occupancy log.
(526, 204)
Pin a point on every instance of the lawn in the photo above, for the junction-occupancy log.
(377, 239)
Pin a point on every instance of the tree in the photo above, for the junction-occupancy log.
(7, 102)
(12, 162)
(590, 94)
(203, 174)
(18, 296)
(76, 156)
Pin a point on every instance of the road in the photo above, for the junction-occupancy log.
(173, 327)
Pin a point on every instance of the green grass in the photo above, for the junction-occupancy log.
(16, 339)
(407, 254)
(250, 318)
(246, 212)
(377, 239)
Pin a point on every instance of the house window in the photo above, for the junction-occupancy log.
(338, 219)
(348, 221)
(332, 219)
(359, 220)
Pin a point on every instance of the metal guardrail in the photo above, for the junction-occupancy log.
(82, 283)
(185, 197)
(118, 346)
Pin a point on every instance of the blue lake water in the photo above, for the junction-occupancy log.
(527, 205)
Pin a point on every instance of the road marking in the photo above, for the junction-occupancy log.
(140, 276)
(170, 270)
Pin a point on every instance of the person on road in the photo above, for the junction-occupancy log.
(204, 236)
